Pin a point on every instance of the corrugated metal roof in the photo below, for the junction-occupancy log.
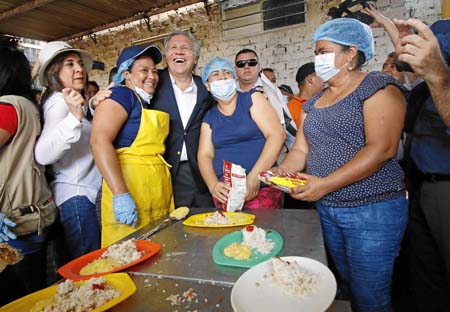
(65, 19)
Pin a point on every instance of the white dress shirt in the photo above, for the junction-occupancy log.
(186, 101)
(64, 144)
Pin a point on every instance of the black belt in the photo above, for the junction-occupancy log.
(184, 161)
(32, 208)
(436, 177)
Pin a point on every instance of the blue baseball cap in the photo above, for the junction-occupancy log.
(130, 54)
(348, 32)
(134, 52)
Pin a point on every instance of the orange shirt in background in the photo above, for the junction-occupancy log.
(295, 108)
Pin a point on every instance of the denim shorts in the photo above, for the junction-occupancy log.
(363, 243)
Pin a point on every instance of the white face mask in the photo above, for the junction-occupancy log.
(147, 97)
(223, 89)
(324, 66)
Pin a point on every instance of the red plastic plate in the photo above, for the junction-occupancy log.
(72, 269)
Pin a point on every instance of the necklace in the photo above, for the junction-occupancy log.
(328, 99)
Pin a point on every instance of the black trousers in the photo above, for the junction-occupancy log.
(186, 192)
(429, 245)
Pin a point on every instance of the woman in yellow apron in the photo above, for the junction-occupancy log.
(127, 141)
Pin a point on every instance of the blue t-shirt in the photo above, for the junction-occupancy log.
(236, 138)
(129, 101)
(336, 133)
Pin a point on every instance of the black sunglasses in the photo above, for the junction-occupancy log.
(251, 62)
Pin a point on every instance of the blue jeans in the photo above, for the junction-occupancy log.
(363, 243)
(80, 226)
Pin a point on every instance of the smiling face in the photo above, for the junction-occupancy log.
(180, 56)
(72, 73)
(142, 74)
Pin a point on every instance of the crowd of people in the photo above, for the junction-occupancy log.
(157, 139)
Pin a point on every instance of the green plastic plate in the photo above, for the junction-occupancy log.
(256, 257)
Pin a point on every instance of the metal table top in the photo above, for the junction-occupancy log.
(185, 261)
(187, 251)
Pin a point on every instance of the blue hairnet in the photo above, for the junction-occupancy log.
(216, 64)
(118, 78)
(347, 31)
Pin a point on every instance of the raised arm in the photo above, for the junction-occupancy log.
(394, 31)
(63, 114)
(423, 53)
(265, 117)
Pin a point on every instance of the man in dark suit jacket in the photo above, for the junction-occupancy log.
(184, 97)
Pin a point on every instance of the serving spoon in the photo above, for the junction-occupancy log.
(178, 214)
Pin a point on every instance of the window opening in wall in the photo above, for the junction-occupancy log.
(283, 13)
(257, 16)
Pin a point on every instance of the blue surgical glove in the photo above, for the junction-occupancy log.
(125, 209)
(5, 233)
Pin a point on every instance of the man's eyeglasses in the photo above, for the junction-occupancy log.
(251, 62)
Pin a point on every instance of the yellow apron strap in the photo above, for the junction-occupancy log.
(146, 175)
(164, 161)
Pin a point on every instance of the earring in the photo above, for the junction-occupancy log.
(351, 66)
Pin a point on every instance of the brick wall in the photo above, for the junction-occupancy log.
(284, 50)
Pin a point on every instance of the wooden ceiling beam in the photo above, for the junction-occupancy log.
(130, 19)
(28, 6)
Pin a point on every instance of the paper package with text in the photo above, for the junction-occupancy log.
(234, 176)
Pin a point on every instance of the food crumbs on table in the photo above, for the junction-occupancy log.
(174, 299)
(163, 291)
(189, 294)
